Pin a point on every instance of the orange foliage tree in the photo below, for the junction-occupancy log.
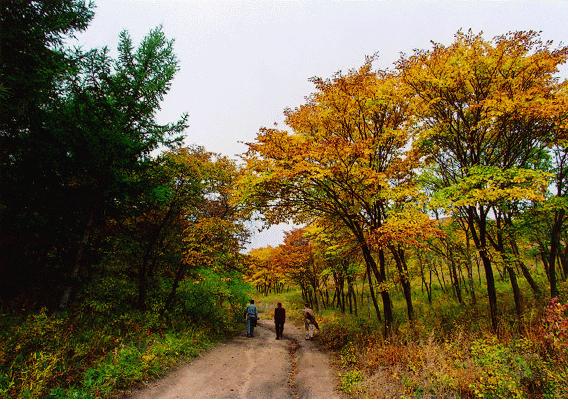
(347, 159)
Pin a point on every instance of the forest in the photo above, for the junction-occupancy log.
(430, 197)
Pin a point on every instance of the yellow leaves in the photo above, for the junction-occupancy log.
(488, 185)
(209, 238)
(347, 144)
(408, 226)
(475, 86)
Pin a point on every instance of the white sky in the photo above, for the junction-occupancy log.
(243, 62)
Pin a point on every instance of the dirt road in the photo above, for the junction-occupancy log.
(259, 367)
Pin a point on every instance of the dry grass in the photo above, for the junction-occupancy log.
(463, 363)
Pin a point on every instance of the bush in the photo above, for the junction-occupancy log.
(424, 361)
(104, 345)
(350, 382)
(502, 371)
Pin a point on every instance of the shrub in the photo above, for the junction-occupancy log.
(501, 370)
(350, 382)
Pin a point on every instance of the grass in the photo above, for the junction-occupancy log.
(449, 350)
(291, 300)
(59, 357)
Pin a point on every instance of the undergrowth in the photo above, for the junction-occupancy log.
(103, 346)
(456, 359)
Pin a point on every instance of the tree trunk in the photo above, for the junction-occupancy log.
(372, 265)
(373, 297)
(429, 288)
(424, 283)
(516, 291)
(387, 304)
(544, 258)
(480, 241)
(354, 293)
(398, 254)
(349, 290)
(172, 295)
(508, 263)
(74, 277)
(564, 261)
(554, 249)
(455, 278)
(524, 269)
(469, 267)
(442, 287)
(142, 270)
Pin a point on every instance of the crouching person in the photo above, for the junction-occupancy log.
(309, 322)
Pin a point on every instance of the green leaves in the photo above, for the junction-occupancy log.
(490, 185)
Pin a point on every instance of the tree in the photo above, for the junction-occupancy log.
(33, 62)
(214, 231)
(484, 109)
(89, 162)
(346, 160)
(338, 253)
(264, 270)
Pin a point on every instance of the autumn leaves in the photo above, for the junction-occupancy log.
(461, 130)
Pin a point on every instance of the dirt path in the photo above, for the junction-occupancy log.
(259, 367)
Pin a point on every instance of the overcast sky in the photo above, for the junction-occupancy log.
(243, 62)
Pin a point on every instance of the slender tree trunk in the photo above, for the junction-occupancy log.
(564, 261)
(554, 249)
(516, 291)
(442, 286)
(322, 296)
(387, 304)
(398, 254)
(517, 255)
(443, 278)
(429, 287)
(74, 277)
(373, 297)
(544, 258)
(354, 298)
(423, 278)
(480, 241)
(349, 294)
(454, 275)
(380, 276)
(500, 246)
(150, 246)
(469, 267)
(172, 295)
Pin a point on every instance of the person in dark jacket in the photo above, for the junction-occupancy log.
(279, 319)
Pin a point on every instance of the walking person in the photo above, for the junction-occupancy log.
(251, 317)
(279, 319)
(309, 322)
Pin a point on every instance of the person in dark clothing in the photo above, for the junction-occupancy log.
(279, 319)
